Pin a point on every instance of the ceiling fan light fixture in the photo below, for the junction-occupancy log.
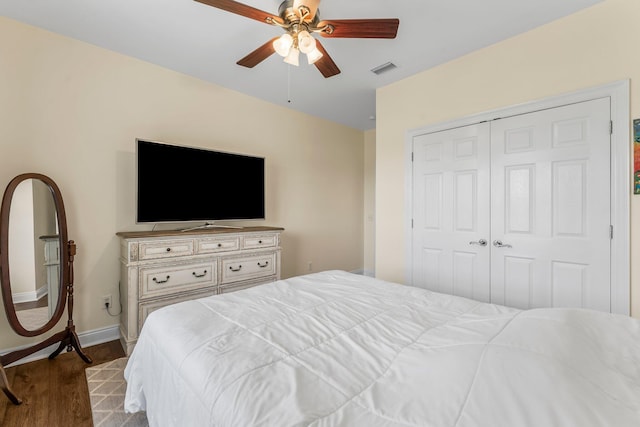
(293, 57)
(314, 56)
(306, 43)
(283, 44)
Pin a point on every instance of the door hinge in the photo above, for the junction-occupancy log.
(610, 127)
(611, 232)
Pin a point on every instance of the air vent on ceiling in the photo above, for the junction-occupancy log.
(384, 68)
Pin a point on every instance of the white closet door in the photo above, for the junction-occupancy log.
(451, 197)
(551, 208)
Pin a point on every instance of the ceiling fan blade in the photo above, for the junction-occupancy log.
(325, 65)
(258, 55)
(241, 9)
(362, 28)
(312, 5)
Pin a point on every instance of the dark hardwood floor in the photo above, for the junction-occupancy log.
(54, 392)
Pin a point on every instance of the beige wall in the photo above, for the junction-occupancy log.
(22, 257)
(44, 220)
(369, 201)
(596, 46)
(72, 111)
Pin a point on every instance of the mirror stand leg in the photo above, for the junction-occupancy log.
(61, 347)
(4, 384)
(75, 343)
(71, 341)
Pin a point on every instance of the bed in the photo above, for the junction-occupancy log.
(339, 349)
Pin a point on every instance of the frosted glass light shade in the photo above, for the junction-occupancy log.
(314, 55)
(292, 58)
(306, 43)
(283, 44)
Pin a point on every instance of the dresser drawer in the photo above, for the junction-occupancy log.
(249, 267)
(256, 242)
(174, 278)
(165, 249)
(237, 286)
(218, 244)
(146, 308)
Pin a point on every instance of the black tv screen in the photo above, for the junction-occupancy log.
(177, 183)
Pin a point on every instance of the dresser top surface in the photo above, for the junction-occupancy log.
(197, 232)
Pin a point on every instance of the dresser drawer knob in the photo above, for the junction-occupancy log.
(219, 245)
(266, 263)
(204, 273)
(235, 269)
(168, 249)
(259, 242)
(161, 281)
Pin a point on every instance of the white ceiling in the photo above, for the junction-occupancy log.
(206, 42)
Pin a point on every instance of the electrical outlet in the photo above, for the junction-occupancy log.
(106, 301)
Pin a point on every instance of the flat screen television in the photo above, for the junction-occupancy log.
(178, 184)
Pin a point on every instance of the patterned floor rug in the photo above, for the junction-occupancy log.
(106, 392)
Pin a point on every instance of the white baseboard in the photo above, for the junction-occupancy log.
(87, 339)
(30, 296)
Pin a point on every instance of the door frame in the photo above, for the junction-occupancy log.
(620, 176)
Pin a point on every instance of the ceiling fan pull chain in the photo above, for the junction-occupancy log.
(289, 83)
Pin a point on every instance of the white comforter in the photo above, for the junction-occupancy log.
(339, 349)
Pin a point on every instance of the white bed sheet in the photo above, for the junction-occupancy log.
(339, 349)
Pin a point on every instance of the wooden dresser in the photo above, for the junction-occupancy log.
(159, 268)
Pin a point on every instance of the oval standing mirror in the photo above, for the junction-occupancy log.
(36, 267)
(34, 258)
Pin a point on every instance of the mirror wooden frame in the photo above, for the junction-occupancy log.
(67, 338)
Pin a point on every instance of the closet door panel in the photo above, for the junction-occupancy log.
(451, 211)
(550, 206)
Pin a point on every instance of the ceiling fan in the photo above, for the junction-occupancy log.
(300, 19)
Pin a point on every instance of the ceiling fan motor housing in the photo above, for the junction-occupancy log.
(290, 15)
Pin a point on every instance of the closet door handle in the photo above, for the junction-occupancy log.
(499, 244)
(480, 242)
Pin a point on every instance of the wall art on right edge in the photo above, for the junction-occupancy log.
(636, 156)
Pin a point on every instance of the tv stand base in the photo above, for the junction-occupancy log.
(207, 225)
